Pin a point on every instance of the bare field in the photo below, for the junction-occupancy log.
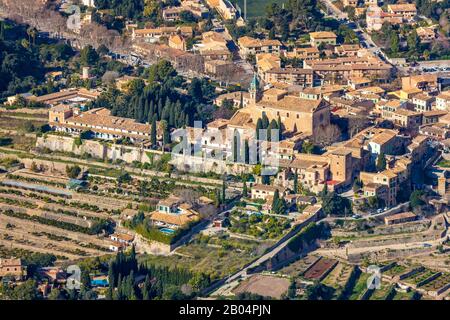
(264, 285)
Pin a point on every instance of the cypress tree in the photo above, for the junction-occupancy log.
(246, 152)
(295, 182)
(265, 121)
(153, 132)
(244, 190)
(259, 126)
(280, 128)
(224, 187)
(381, 162)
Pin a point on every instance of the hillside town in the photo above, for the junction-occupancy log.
(224, 150)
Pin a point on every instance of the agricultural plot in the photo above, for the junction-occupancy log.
(419, 277)
(359, 288)
(404, 295)
(395, 271)
(383, 292)
(33, 220)
(339, 276)
(216, 257)
(437, 284)
(320, 269)
(264, 285)
(299, 267)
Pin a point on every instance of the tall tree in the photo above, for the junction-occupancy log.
(381, 162)
(153, 134)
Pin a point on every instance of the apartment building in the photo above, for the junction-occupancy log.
(333, 169)
(252, 46)
(213, 46)
(322, 37)
(423, 102)
(153, 34)
(303, 53)
(347, 50)
(406, 10)
(291, 76)
(385, 178)
(443, 101)
(375, 17)
(338, 69)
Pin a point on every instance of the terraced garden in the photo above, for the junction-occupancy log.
(339, 277)
(419, 277)
(65, 225)
(396, 270)
(438, 283)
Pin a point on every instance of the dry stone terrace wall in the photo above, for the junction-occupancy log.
(95, 149)
(386, 255)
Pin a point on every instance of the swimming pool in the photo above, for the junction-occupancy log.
(167, 230)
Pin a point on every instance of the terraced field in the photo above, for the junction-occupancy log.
(404, 295)
(417, 278)
(298, 267)
(37, 221)
(382, 293)
(442, 281)
(360, 287)
(339, 276)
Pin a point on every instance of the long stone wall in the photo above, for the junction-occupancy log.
(96, 149)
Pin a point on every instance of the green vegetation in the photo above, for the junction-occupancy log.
(160, 282)
(258, 225)
(307, 236)
(161, 99)
(335, 205)
(391, 36)
(73, 171)
(257, 8)
(25, 59)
